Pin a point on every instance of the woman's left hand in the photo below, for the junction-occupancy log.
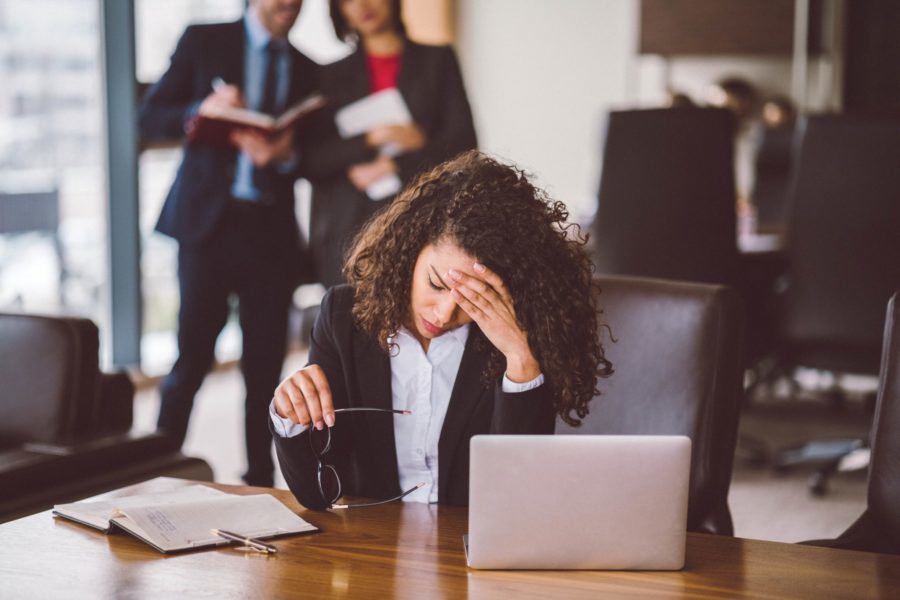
(484, 297)
(404, 138)
(363, 175)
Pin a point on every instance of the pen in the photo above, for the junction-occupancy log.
(218, 83)
(251, 542)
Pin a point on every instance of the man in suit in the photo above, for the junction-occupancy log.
(231, 209)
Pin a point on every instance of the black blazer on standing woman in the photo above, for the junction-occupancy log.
(431, 84)
(363, 449)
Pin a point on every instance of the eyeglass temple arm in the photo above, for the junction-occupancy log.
(373, 409)
(406, 493)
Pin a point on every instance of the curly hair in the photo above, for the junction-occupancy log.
(493, 213)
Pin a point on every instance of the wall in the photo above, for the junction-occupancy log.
(540, 75)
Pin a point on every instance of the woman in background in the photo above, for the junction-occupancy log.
(340, 170)
(470, 309)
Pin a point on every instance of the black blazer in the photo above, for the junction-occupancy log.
(432, 86)
(363, 447)
(198, 196)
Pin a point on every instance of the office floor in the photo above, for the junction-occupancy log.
(765, 505)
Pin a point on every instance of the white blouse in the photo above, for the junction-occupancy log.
(422, 383)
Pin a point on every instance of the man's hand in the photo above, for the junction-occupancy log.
(365, 174)
(261, 149)
(225, 95)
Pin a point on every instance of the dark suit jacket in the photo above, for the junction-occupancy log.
(363, 447)
(198, 196)
(432, 86)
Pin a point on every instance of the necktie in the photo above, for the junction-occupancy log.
(262, 176)
(268, 103)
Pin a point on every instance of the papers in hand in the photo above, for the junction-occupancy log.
(182, 520)
(383, 188)
(386, 107)
(214, 123)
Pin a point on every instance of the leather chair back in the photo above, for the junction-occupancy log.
(773, 176)
(115, 407)
(884, 468)
(843, 244)
(676, 349)
(666, 204)
(63, 423)
(49, 377)
(878, 528)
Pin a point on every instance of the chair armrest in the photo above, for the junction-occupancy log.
(115, 405)
(44, 475)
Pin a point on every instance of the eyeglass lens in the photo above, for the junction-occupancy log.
(329, 482)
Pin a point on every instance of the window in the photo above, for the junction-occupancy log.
(159, 24)
(53, 250)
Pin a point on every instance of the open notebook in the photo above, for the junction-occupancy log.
(182, 519)
(213, 124)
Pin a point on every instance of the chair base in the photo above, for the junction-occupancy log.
(831, 455)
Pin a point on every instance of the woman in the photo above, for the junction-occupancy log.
(469, 310)
(340, 170)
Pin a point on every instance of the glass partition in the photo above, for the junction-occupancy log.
(53, 249)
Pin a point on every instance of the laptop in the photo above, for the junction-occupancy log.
(578, 502)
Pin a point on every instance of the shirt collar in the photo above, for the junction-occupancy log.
(257, 34)
(459, 335)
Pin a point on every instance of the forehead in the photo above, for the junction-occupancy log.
(443, 256)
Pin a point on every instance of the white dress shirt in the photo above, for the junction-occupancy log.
(422, 383)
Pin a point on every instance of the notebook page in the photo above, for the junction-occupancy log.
(308, 104)
(188, 524)
(98, 513)
(238, 115)
(386, 107)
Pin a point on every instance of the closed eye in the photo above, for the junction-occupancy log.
(431, 282)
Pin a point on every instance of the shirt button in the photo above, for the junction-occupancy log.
(419, 451)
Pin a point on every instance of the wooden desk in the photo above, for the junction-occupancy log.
(407, 551)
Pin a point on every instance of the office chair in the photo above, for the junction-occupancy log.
(842, 251)
(666, 205)
(64, 425)
(774, 160)
(677, 352)
(878, 528)
(666, 208)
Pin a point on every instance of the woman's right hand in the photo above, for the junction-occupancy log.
(305, 398)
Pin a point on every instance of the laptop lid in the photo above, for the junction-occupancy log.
(578, 502)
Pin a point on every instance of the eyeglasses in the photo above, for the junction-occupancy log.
(329, 482)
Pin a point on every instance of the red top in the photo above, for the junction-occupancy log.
(383, 71)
